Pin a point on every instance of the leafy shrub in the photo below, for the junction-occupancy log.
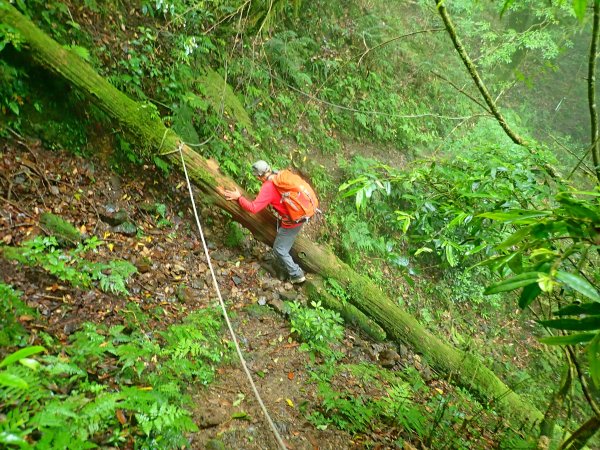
(552, 253)
(70, 266)
(436, 206)
(11, 308)
(318, 327)
(362, 413)
(110, 386)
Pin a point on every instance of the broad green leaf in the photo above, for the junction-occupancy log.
(571, 339)
(30, 363)
(450, 256)
(423, 250)
(506, 6)
(594, 360)
(579, 284)
(23, 353)
(584, 308)
(10, 380)
(360, 199)
(516, 237)
(458, 220)
(515, 262)
(516, 216)
(579, 6)
(528, 295)
(510, 284)
(584, 324)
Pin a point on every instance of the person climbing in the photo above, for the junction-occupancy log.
(287, 229)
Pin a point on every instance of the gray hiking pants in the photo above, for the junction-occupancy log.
(281, 249)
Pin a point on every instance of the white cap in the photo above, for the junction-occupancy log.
(260, 167)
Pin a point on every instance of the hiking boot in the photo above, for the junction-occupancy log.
(298, 280)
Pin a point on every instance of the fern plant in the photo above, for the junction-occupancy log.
(11, 308)
(71, 266)
(109, 386)
(288, 53)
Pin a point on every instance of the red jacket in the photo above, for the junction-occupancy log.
(268, 195)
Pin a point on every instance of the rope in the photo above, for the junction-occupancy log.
(225, 315)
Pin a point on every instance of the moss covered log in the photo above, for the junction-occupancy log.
(463, 368)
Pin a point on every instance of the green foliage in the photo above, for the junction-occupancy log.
(11, 309)
(436, 206)
(13, 88)
(289, 54)
(66, 133)
(318, 327)
(235, 235)
(554, 252)
(110, 386)
(70, 266)
(358, 414)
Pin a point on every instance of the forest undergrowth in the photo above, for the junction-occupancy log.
(422, 192)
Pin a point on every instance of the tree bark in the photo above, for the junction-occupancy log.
(583, 434)
(150, 133)
(592, 89)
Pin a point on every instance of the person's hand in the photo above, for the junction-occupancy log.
(231, 195)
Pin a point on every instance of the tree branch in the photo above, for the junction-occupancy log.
(592, 89)
(394, 39)
(480, 84)
(463, 92)
(475, 75)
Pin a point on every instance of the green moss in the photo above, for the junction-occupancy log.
(59, 228)
(220, 94)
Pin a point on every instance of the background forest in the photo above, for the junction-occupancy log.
(454, 147)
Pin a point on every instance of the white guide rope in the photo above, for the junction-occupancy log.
(216, 284)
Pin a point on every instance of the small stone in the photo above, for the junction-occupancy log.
(215, 444)
(262, 300)
(211, 417)
(126, 228)
(288, 296)
(278, 306)
(237, 280)
(70, 327)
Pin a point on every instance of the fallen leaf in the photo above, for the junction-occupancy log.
(290, 375)
(7, 239)
(289, 402)
(121, 417)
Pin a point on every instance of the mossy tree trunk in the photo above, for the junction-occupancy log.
(150, 133)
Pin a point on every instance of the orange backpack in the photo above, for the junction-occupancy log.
(297, 195)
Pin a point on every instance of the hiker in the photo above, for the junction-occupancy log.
(287, 230)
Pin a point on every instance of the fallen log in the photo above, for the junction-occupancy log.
(153, 137)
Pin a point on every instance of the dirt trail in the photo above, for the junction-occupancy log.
(174, 275)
